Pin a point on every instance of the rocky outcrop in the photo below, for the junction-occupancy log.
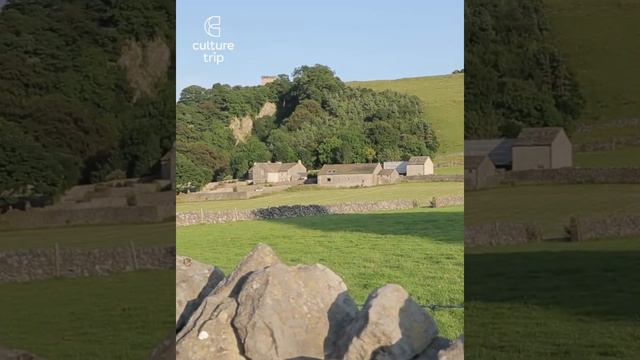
(268, 109)
(194, 282)
(268, 310)
(241, 128)
(444, 349)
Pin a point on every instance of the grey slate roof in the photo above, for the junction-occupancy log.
(498, 150)
(348, 169)
(542, 136)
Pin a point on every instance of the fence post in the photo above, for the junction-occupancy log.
(133, 256)
(57, 254)
(201, 216)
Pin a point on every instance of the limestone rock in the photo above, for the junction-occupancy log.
(292, 312)
(390, 326)
(209, 334)
(194, 282)
(268, 109)
(454, 352)
(431, 352)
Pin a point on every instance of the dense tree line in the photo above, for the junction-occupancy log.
(319, 120)
(516, 77)
(68, 112)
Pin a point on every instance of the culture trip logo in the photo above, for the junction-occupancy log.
(213, 52)
(212, 26)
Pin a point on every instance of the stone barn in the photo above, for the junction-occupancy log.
(477, 171)
(346, 175)
(276, 172)
(419, 165)
(399, 166)
(388, 176)
(542, 148)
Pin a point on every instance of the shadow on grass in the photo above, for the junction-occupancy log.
(440, 226)
(578, 283)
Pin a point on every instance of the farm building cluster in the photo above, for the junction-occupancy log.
(342, 175)
(533, 149)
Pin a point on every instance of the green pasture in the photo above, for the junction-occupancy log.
(421, 191)
(89, 236)
(420, 249)
(553, 301)
(596, 37)
(117, 317)
(549, 205)
(623, 157)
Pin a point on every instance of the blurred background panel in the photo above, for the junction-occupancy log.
(552, 179)
(87, 201)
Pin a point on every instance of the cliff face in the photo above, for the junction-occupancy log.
(146, 65)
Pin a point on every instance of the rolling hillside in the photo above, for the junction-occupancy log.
(443, 97)
(599, 40)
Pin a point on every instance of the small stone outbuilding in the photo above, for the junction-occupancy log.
(347, 175)
(388, 176)
(419, 165)
(542, 148)
(478, 171)
(277, 172)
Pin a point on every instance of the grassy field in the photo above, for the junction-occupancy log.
(550, 205)
(443, 98)
(323, 196)
(596, 37)
(122, 316)
(553, 301)
(622, 157)
(420, 249)
(89, 236)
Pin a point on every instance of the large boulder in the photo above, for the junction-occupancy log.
(209, 333)
(194, 282)
(390, 326)
(292, 312)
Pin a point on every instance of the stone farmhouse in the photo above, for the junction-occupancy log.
(419, 165)
(542, 148)
(277, 172)
(347, 175)
(399, 166)
(534, 148)
(478, 169)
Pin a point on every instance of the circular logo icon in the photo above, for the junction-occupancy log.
(212, 26)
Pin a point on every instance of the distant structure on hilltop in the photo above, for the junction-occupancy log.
(265, 79)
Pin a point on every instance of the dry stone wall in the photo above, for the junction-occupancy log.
(592, 227)
(435, 178)
(572, 176)
(38, 264)
(268, 310)
(501, 233)
(219, 217)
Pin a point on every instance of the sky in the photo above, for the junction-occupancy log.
(358, 39)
